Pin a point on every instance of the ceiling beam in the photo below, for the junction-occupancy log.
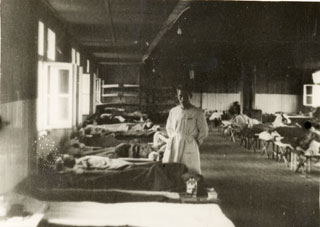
(125, 60)
(119, 63)
(179, 9)
(111, 24)
(120, 56)
(134, 48)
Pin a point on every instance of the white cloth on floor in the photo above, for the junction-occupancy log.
(187, 129)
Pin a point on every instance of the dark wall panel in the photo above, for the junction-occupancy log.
(18, 43)
(120, 74)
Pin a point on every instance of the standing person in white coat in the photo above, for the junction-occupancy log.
(187, 128)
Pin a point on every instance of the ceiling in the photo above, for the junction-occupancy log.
(250, 32)
(117, 31)
(131, 31)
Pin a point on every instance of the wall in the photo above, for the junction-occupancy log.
(18, 81)
(121, 74)
(279, 88)
(64, 43)
(214, 101)
(271, 103)
(18, 90)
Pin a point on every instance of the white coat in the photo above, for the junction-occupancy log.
(187, 129)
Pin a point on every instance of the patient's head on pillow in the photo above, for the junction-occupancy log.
(65, 161)
(148, 124)
(59, 164)
(68, 161)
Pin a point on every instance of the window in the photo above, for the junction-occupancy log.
(73, 56)
(51, 52)
(78, 58)
(56, 96)
(88, 66)
(311, 94)
(41, 38)
(85, 93)
(98, 90)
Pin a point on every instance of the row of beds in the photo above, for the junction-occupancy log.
(277, 139)
(144, 180)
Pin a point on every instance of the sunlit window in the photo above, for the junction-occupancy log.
(51, 45)
(78, 58)
(88, 65)
(98, 89)
(55, 96)
(85, 94)
(41, 38)
(73, 56)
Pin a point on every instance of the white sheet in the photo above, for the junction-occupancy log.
(142, 214)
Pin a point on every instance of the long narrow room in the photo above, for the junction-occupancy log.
(159, 113)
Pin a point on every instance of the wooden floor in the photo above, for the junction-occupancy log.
(256, 191)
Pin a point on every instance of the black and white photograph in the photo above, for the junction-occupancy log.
(159, 113)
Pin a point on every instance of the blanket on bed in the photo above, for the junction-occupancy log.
(149, 214)
(123, 131)
(153, 177)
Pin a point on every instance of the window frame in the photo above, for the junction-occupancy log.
(44, 120)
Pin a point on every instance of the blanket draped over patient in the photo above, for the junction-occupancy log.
(149, 177)
(97, 162)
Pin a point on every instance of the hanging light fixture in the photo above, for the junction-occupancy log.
(179, 30)
(153, 68)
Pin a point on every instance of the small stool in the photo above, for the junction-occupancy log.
(283, 150)
(265, 145)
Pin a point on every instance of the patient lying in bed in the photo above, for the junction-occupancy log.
(92, 162)
(132, 149)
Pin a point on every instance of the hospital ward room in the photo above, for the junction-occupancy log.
(159, 113)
